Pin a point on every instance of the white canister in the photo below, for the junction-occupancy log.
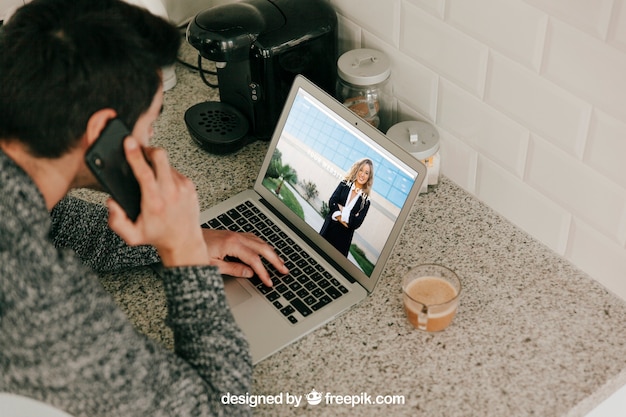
(421, 140)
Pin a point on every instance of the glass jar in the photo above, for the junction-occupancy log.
(363, 85)
(421, 140)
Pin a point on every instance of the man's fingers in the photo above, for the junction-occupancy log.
(118, 220)
(137, 160)
(233, 268)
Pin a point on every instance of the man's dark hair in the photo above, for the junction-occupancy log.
(63, 60)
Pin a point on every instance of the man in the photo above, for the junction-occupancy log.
(67, 68)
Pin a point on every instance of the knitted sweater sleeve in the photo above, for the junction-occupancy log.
(83, 227)
(65, 342)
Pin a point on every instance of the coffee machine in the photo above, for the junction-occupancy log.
(259, 46)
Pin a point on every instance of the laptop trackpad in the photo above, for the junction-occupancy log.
(235, 292)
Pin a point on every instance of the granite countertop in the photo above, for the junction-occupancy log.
(533, 335)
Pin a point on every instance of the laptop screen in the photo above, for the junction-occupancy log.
(344, 185)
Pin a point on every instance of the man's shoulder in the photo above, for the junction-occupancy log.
(22, 207)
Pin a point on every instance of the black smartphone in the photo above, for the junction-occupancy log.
(107, 160)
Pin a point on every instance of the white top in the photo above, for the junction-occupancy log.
(348, 206)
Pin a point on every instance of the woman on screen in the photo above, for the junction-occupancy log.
(348, 205)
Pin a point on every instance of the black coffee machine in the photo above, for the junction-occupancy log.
(259, 46)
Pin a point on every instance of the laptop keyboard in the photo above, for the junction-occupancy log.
(307, 288)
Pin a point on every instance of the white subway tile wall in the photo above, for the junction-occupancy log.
(617, 29)
(529, 98)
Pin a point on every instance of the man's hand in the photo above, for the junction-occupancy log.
(169, 216)
(247, 248)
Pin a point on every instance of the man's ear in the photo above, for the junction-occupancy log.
(96, 124)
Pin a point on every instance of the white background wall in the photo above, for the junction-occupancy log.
(8, 6)
(529, 98)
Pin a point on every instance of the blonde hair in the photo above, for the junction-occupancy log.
(354, 169)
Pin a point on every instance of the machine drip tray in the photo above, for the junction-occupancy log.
(217, 127)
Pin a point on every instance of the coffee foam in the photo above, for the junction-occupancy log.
(431, 291)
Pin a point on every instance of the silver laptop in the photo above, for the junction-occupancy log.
(316, 142)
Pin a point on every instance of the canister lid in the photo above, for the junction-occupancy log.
(420, 139)
(364, 67)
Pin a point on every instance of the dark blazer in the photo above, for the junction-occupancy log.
(333, 231)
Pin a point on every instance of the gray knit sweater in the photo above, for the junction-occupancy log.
(64, 341)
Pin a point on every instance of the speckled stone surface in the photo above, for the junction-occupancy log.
(533, 336)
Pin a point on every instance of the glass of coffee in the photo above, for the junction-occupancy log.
(431, 296)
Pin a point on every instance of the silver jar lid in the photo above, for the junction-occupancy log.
(364, 67)
(420, 139)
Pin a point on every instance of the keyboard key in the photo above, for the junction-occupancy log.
(226, 221)
(233, 213)
(301, 307)
(295, 256)
(287, 310)
(272, 296)
(321, 303)
(318, 293)
(264, 289)
(215, 224)
(282, 288)
(273, 237)
(333, 292)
